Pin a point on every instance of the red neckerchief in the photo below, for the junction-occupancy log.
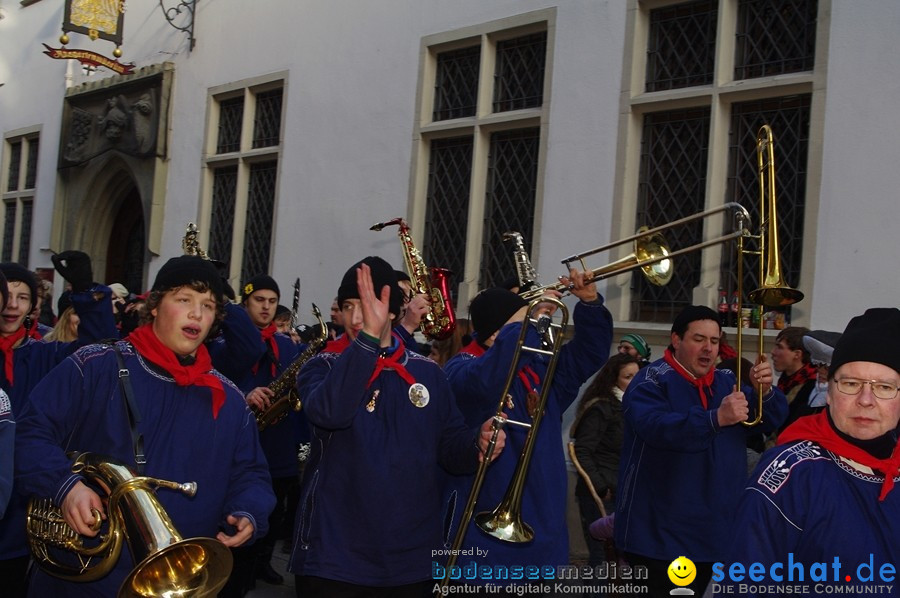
(705, 381)
(151, 348)
(726, 352)
(392, 362)
(337, 345)
(35, 333)
(268, 337)
(818, 429)
(801, 376)
(6, 346)
(529, 378)
(473, 349)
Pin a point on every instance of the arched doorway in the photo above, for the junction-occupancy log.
(127, 244)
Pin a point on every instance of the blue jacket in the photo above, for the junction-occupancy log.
(369, 513)
(477, 384)
(279, 441)
(680, 474)
(32, 360)
(80, 407)
(807, 502)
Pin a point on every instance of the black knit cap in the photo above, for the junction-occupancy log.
(4, 291)
(692, 313)
(873, 336)
(491, 308)
(18, 273)
(64, 302)
(382, 274)
(186, 269)
(259, 282)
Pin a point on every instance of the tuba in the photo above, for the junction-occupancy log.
(439, 323)
(285, 385)
(167, 564)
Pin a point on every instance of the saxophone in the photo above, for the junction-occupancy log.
(285, 385)
(438, 324)
(524, 270)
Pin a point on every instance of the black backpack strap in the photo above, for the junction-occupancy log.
(134, 414)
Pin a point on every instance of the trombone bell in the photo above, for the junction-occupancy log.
(504, 524)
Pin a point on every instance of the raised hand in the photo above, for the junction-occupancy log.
(375, 306)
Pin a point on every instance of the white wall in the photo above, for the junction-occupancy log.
(349, 120)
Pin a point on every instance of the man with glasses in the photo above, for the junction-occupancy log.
(824, 494)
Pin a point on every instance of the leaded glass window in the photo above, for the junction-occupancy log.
(267, 121)
(775, 37)
(456, 83)
(224, 194)
(510, 200)
(672, 185)
(519, 76)
(681, 46)
(260, 212)
(789, 119)
(449, 178)
(231, 114)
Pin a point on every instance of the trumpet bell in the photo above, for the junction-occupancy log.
(505, 525)
(196, 567)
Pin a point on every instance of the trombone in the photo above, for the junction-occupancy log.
(505, 521)
(654, 257)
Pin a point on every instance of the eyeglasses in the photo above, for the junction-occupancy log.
(881, 390)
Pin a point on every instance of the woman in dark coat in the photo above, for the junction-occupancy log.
(597, 441)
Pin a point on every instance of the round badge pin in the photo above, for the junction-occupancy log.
(418, 395)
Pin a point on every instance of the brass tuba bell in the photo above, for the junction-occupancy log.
(167, 564)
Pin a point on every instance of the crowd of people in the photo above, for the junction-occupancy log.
(366, 484)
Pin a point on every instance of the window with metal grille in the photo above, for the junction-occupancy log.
(509, 202)
(681, 46)
(775, 37)
(449, 179)
(18, 196)
(260, 212)
(519, 76)
(242, 185)
(789, 119)
(267, 121)
(671, 185)
(456, 83)
(31, 164)
(15, 162)
(224, 195)
(231, 115)
(482, 172)
(9, 229)
(25, 234)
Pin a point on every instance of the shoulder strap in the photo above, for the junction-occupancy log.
(573, 431)
(134, 414)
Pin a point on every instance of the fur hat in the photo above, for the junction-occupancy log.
(382, 275)
(260, 282)
(491, 308)
(637, 341)
(185, 269)
(873, 336)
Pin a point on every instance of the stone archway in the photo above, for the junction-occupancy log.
(125, 251)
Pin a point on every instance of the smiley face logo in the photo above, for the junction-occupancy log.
(682, 571)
